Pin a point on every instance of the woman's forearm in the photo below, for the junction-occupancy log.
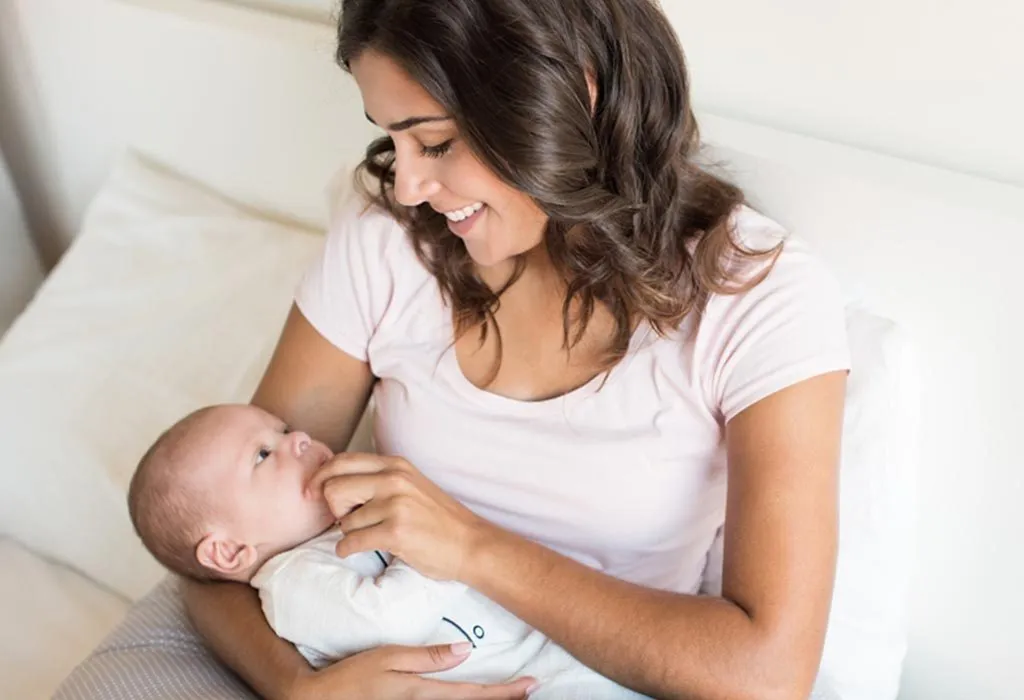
(228, 616)
(663, 644)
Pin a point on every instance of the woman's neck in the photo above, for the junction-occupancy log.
(538, 275)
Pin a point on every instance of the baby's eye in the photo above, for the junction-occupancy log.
(263, 454)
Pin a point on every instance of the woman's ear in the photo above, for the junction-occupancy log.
(225, 556)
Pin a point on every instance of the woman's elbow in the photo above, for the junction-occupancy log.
(783, 670)
(791, 688)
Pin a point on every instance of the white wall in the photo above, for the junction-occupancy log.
(314, 9)
(47, 118)
(937, 81)
(65, 67)
(20, 272)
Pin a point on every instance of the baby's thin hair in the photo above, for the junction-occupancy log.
(168, 514)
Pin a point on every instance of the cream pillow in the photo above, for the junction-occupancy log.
(171, 298)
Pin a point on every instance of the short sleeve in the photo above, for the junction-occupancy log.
(789, 327)
(345, 293)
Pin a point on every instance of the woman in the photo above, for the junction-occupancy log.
(576, 339)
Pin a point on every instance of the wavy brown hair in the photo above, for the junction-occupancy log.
(633, 222)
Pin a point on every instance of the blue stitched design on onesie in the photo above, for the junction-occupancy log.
(456, 626)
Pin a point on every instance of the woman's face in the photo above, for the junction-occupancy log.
(434, 165)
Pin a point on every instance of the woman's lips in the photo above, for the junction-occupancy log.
(462, 228)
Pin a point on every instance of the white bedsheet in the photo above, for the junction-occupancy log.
(50, 617)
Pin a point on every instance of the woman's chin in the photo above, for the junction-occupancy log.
(486, 259)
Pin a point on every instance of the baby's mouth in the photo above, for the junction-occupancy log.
(321, 455)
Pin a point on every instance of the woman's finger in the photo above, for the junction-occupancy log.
(346, 463)
(439, 657)
(429, 689)
(343, 493)
(369, 539)
(372, 513)
(442, 657)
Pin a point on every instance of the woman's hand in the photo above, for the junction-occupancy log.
(392, 672)
(385, 503)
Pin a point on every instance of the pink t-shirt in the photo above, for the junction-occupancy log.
(628, 477)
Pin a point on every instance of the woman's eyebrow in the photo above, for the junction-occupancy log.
(408, 123)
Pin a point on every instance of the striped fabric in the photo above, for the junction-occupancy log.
(155, 654)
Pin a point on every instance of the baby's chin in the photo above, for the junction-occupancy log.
(327, 522)
(316, 524)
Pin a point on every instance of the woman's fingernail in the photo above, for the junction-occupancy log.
(462, 648)
(532, 689)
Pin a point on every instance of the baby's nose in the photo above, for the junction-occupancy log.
(301, 442)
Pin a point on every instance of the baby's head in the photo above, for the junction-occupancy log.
(223, 490)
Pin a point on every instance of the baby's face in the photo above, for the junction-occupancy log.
(257, 470)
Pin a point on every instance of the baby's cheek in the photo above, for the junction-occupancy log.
(320, 512)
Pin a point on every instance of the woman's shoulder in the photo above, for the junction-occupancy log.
(367, 272)
(783, 262)
(787, 325)
(757, 231)
(358, 226)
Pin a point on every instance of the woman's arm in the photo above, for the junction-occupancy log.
(314, 387)
(763, 638)
(228, 617)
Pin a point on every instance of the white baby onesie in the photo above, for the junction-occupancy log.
(330, 608)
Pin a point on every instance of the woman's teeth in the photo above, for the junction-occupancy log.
(464, 213)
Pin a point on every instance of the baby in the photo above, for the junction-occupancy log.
(221, 495)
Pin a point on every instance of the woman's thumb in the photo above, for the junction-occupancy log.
(439, 657)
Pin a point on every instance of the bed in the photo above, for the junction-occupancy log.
(209, 196)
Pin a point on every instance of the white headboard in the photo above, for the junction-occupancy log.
(251, 104)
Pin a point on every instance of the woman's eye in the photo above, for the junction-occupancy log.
(262, 455)
(438, 150)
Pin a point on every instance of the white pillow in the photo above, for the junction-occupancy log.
(170, 298)
(867, 633)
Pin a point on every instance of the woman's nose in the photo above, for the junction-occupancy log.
(414, 180)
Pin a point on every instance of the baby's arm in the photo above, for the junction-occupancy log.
(315, 600)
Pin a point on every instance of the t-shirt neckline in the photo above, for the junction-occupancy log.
(449, 364)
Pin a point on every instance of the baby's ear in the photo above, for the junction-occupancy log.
(225, 556)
